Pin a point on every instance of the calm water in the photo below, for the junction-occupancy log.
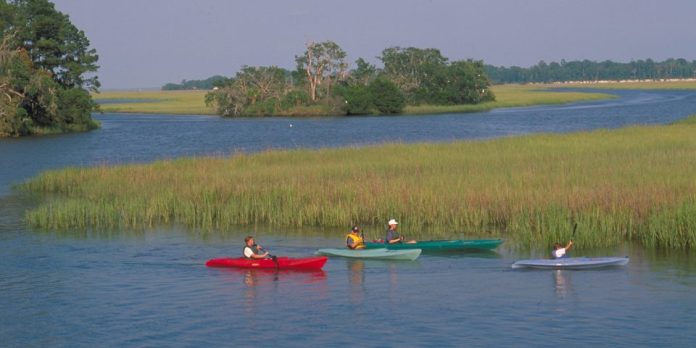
(70, 289)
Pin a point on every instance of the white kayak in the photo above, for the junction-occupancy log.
(378, 254)
(572, 263)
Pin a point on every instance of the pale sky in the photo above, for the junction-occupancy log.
(147, 43)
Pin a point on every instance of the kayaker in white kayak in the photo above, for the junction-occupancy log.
(560, 251)
(252, 250)
(392, 235)
(354, 240)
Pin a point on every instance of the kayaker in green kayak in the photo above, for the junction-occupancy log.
(354, 240)
(252, 250)
(560, 251)
(392, 235)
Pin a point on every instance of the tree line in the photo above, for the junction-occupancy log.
(46, 69)
(209, 83)
(322, 83)
(587, 70)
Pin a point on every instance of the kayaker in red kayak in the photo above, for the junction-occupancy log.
(559, 250)
(354, 240)
(392, 235)
(252, 250)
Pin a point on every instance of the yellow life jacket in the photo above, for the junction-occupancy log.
(357, 241)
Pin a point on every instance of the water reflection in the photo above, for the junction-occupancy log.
(562, 283)
(259, 277)
(356, 278)
(473, 253)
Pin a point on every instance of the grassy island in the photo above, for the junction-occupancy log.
(193, 102)
(636, 183)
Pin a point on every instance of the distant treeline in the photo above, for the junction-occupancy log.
(323, 84)
(209, 83)
(587, 70)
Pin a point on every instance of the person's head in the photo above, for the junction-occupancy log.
(355, 229)
(393, 224)
(249, 240)
(557, 246)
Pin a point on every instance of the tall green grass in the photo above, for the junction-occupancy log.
(636, 184)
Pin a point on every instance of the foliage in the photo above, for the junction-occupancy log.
(386, 96)
(209, 83)
(587, 70)
(426, 77)
(46, 65)
(363, 73)
(358, 99)
(323, 64)
(253, 91)
(633, 184)
(55, 44)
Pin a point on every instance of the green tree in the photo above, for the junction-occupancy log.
(322, 63)
(253, 91)
(44, 65)
(386, 96)
(55, 44)
(358, 99)
(363, 74)
(412, 68)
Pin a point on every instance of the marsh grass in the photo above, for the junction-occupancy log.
(674, 85)
(192, 102)
(156, 102)
(513, 96)
(635, 184)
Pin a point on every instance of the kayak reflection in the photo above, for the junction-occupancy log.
(257, 277)
(562, 284)
(356, 278)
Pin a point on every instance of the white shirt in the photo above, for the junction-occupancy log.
(248, 252)
(558, 253)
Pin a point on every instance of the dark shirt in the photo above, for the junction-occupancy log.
(391, 234)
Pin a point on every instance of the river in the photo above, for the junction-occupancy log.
(151, 288)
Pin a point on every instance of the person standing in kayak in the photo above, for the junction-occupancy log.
(252, 250)
(560, 251)
(392, 235)
(354, 240)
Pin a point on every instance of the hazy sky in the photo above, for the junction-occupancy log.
(147, 43)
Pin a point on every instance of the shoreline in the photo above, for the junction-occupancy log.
(192, 102)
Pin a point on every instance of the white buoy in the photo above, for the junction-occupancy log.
(291, 125)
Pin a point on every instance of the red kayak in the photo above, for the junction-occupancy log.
(283, 262)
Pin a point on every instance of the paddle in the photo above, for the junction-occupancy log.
(273, 257)
(575, 228)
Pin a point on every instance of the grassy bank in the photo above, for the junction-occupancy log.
(155, 102)
(192, 102)
(637, 183)
(682, 84)
(512, 96)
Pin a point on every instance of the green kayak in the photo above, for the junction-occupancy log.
(440, 245)
(377, 254)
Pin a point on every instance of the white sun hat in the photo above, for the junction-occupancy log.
(393, 222)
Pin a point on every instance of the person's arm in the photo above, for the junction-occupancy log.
(570, 244)
(350, 243)
(396, 240)
(248, 252)
(259, 256)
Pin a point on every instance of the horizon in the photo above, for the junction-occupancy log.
(145, 45)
